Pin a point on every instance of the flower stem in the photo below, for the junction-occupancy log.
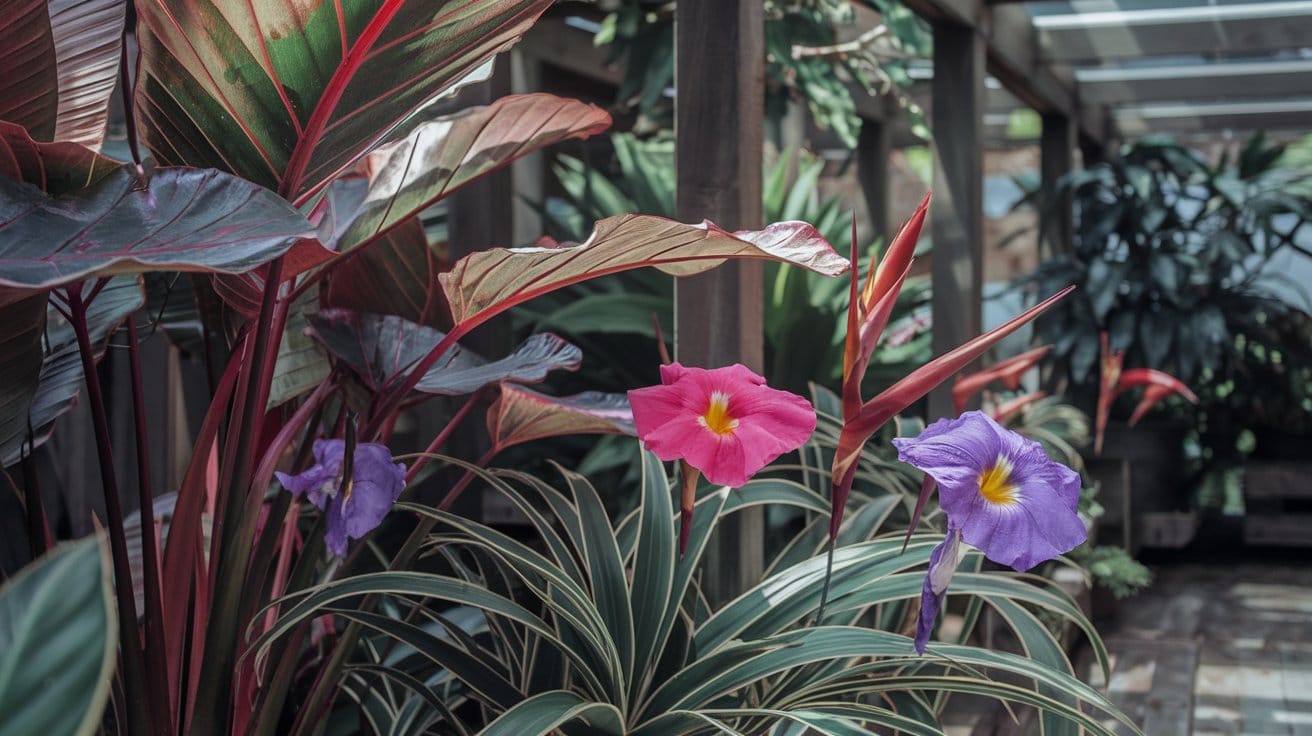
(829, 575)
(133, 669)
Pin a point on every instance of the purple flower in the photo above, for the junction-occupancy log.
(355, 508)
(1001, 493)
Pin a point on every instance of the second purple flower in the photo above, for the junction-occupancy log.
(354, 507)
(1001, 493)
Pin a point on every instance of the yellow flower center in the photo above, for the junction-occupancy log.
(716, 417)
(996, 486)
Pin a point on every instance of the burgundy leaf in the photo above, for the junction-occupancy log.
(29, 81)
(395, 274)
(181, 219)
(88, 38)
(54, 168)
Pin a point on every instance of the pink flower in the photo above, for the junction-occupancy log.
(724, 422)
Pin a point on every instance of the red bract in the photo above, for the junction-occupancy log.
(867, 316)
(723, 422)
(1116, 381)
(1008, 371)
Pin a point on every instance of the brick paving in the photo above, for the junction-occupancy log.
(1216, 649)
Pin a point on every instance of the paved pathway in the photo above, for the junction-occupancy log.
(1216, 649)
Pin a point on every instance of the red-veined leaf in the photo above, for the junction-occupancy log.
(395, 274)
(520, 414)
(442, 155)
(289, 93)
(490, 281)
(54, 168)
(29, 81)
(180, 219)
(88, 38)
(382, 349)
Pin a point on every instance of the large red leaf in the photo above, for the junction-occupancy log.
(54, 168)
(521, 415)
(396, 274)
(486, 282)
(290, 93)
(442, 155)
(181, 219)
(29, 81)
(88, 36)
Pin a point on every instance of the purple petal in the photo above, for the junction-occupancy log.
(334, 535)
(954, 452)
(942, 566)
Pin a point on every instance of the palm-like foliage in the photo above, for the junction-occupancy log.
(601, 623)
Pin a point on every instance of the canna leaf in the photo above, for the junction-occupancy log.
(289, 94)
(443, 155)
(490, 281)
(54, 168)
(521, 415)
(29, 80)
(88, 39)
(396, 274)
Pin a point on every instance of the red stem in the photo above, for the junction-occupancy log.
(133, 672)
(38, 529)
(393, 397)
(157, 672)
(442, 437)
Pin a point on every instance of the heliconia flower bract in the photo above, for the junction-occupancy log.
(1008, 372)
(352, 508)
(1001, 494)
(1115, 381)
(724, 422)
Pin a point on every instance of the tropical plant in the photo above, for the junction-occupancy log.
(288, 190)
(1169, 258)
(803, 316)
(602, 623)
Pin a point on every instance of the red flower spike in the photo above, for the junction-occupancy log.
(869, 311)
(876, 412)
(1008, 409)
(1115, 381)
(1008, 371)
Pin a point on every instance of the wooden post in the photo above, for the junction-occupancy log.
(719, 107)
(1056, 159)
(957, 212)
(872, 151)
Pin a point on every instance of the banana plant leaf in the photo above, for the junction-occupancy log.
(178, 219)
(288, 93)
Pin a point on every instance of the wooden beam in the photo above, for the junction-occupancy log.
(957, 214)
(1056, 159)
(872, 152)
(719, 110)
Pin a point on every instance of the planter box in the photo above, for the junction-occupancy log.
(1138, 475)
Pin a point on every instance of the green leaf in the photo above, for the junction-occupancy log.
(58, 637)
(179, 220)
(301, 364)
(543, 713)
(653, 568)
(288, 93)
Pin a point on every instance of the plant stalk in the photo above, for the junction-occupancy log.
(38, 529)
(133, 668)
(157, 671)
(213, 700)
